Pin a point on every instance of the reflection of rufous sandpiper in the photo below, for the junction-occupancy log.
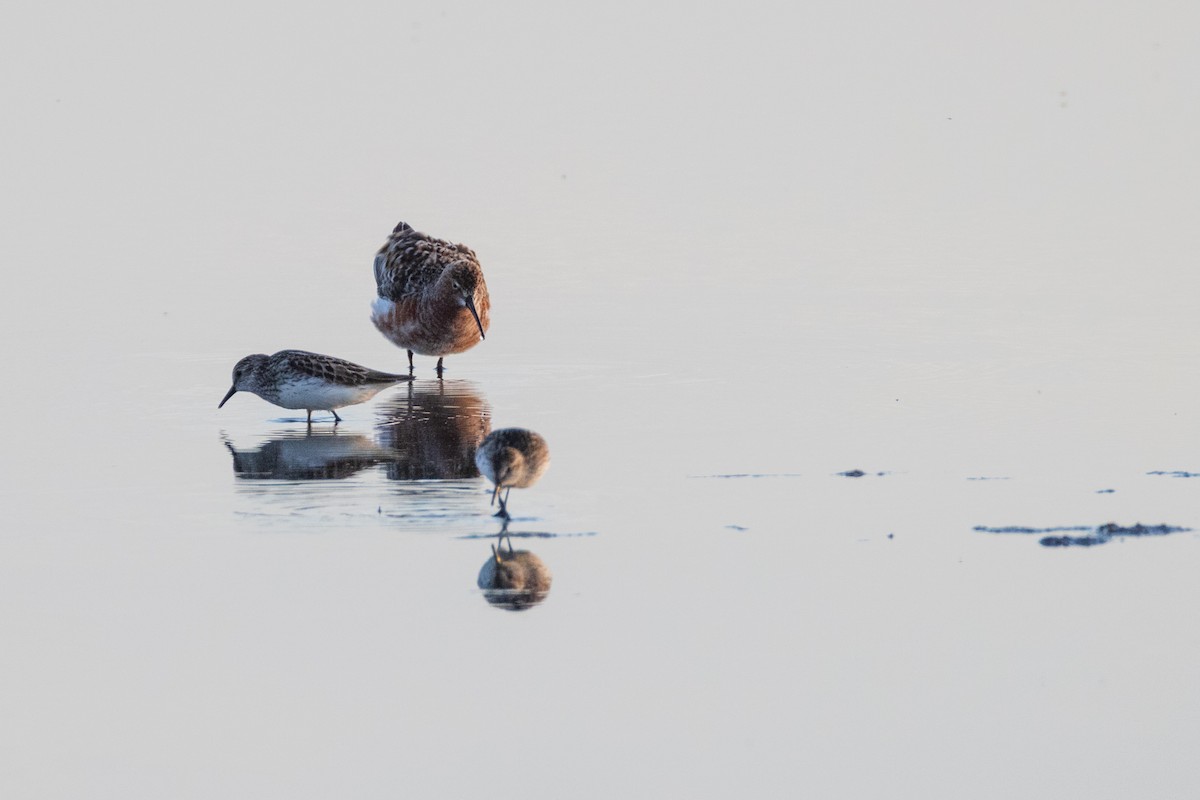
(432, 300)
(511, 457)
(299, 379)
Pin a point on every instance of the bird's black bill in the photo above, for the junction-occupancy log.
(475, 314)
(232, 392)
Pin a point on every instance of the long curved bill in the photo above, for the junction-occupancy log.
(232, 392)
(495, 491)
(475, 314)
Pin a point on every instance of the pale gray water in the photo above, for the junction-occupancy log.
(732, 254)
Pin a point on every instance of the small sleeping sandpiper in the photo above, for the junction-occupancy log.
(432, 299)
(511, 457)
(299, 379)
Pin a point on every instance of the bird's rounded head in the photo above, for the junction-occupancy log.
(246, 375)
(465, 281)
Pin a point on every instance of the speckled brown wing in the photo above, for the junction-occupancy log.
(411, 261)
(335, 370)
(520, 439)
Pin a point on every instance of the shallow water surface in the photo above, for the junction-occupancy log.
(831, 320)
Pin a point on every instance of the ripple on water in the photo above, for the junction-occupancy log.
(416, 468)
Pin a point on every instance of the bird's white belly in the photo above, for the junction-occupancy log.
(484, 465)
(383, 314)
(317, 395)
(381, 309)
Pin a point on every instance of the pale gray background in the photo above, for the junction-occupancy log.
(932, 239)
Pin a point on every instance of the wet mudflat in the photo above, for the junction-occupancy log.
(822, 366)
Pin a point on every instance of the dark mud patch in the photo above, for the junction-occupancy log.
(1113, 529)
(858, 473)
(1073, 541)
(1174, 473)
(1102, 534)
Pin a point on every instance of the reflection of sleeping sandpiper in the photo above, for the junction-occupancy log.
(511, 457)
(514, 580)
(432, 300)
(299, 379)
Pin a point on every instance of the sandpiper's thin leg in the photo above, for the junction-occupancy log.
(310, 416)
(503, 512)
(410, 364)
(500, 539)
(336, 418)
(439, 367)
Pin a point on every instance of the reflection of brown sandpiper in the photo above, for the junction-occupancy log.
(299, 379)
(435, 430)
(432, 300)
(512, 457)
